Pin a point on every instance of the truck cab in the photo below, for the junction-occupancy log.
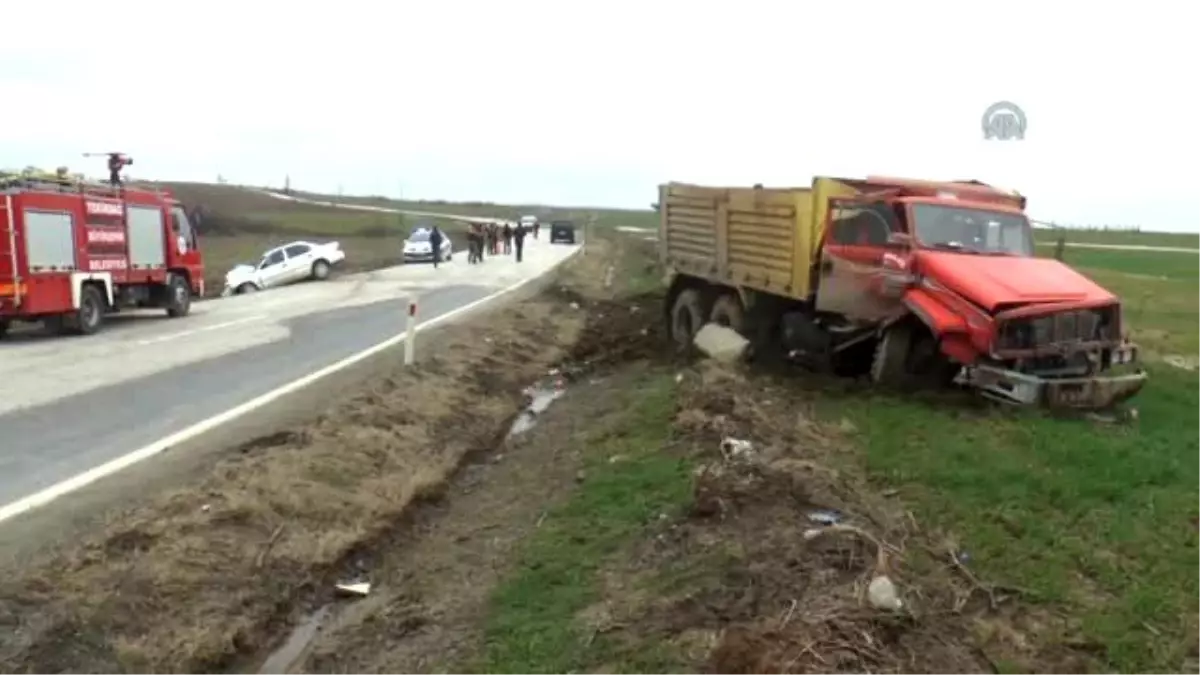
(950, 270)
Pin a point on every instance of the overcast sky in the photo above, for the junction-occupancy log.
(596, 102)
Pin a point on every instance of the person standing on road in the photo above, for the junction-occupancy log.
(508, 236)
(519, 238)
(435, 243)
(491, 238)
(472, 243)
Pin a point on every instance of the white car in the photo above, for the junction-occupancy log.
(417, 248)
(286, 264)
(529, 221)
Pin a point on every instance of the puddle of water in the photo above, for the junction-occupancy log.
(540, 398)
(282, 660)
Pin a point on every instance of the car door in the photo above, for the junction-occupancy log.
(852, 260)
(299, 261)
(272, 269)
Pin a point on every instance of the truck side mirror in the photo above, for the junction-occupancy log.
(899, 239)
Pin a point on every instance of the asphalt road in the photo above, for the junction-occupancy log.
(50, 443)
(76, 404)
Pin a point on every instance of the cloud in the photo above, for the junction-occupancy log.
(594, 103)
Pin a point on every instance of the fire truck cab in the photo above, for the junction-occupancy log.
(72, 252)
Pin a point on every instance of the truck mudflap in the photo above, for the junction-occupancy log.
(1087, 393)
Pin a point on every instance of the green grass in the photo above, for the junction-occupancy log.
(1121, 237)
(533, 624)
(1185, 266)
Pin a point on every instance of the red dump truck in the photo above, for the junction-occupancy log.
(70, 252)
(910, 281)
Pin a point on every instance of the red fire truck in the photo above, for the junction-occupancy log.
(70, 252)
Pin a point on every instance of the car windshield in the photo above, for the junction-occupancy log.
(419, 236)
(967, 230)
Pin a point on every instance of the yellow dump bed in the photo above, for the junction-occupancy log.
(760, 238)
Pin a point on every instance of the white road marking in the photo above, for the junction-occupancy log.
(49, 494)
(202, 329)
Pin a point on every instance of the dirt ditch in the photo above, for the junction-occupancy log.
(212, 576)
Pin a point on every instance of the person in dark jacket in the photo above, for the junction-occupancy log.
(519, 238)
(508, 235)
(435, 243)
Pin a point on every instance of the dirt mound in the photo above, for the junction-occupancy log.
(772, 561)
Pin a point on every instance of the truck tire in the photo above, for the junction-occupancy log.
(889, 367)
(320, 270)
(179, 297)
(89, 317)
(727, 311)
(687, 316)
(5, 324)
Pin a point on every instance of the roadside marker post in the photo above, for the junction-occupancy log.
(410, 332)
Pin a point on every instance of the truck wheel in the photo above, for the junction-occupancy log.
(889, 367)
(727, 311)
(179, 302)
(89, 317)
(5, 324)
(687, 316)
(320, 270)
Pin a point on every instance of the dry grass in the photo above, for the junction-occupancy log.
(196, 579)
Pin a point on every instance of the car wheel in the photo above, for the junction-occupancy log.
(246, 288)
(320, 270)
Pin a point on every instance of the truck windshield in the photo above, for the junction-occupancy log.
(954, 228)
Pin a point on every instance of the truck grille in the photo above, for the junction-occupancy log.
(1085, 325)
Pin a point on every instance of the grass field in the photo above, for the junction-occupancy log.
(1122, 237)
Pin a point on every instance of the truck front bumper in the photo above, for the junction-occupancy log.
(1086, 393)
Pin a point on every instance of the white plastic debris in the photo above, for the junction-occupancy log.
(360, 588)
(735, 449)
(882, 594)
(574, 305)
(825, 517)
(721, 343)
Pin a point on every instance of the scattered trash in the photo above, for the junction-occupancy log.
(734, 449)
(616, 458)
(360, 588)
(206, 508)
(678, 378)
(721, 343)
(882, 594)
(825, 517)
(574, 305)
(553, 371)
(537, 399)
(963, 557)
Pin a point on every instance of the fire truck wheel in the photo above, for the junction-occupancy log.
(889, 367)
(686, 318)
(5, 324)
(180, 301)
(90, 315)
(320, 270)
